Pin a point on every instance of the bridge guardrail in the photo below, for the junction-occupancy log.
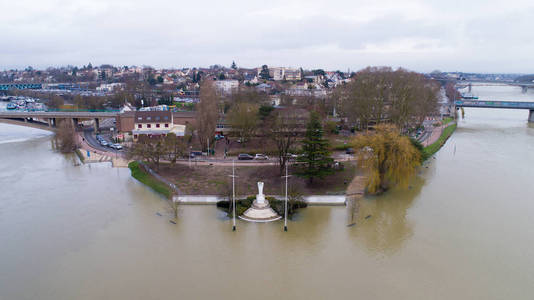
(494, 104)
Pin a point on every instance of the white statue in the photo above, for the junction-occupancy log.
(260, 198)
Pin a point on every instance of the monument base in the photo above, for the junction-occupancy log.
(260, 213)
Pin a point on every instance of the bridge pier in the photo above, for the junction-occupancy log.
(531, 116)
(97, 125)
(52, 122)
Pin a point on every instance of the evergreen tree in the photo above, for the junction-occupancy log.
(315, 159)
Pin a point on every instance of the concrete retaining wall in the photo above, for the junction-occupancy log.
(211, 199)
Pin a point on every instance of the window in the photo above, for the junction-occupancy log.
(166, 125)
(157, 125)
(166, 117)
(139, 126)
(157, 118)
(139, 119)
(148, 118)
(135, 136)
(148, 126)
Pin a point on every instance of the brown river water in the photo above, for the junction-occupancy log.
(464, 230)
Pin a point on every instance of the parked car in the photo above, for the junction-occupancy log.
(244, 156)
(195, 154)
(219, 137)
(260, 156)
(350, 151)
(103, 143)
(116, 146)
(292, 156)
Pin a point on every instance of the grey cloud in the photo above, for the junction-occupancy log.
(168, 33)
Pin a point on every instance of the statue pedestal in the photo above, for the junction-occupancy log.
(260, 211)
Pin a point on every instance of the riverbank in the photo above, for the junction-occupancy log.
(139, 173)
(437, 140)
(28, 124)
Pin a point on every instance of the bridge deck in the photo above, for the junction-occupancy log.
(57, 114)
(495, 104)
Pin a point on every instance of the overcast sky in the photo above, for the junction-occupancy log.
(469, 36)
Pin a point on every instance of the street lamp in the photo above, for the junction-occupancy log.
(233, 194)
(285, 211)
(190, 149)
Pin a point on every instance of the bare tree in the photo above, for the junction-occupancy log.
(380, 94)
(175, 147)
(66, 141)
(152, 150)
(282, 127)
(244, 119)
(207, 115)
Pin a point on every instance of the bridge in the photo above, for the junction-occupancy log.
(523, 85)
(51, 116)
(20, 86)
(498, 104)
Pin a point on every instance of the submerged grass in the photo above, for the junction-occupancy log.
(140, 174)
(80, 155)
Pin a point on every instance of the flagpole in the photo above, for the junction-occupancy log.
(285, 211)
(233, 193)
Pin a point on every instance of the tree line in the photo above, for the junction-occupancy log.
(381, 94)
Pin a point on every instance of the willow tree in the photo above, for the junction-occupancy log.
(388, 157)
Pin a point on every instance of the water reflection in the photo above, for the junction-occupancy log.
(381, 222)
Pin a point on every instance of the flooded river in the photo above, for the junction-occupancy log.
(464, 230)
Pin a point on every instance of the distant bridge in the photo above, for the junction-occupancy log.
(498, 104)
(523, 85)
(52, 116)
(20, 86)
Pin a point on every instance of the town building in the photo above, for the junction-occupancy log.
(279, 74)
(155, 124)
(227, 86)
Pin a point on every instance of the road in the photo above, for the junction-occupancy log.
(93, 142)
(90, 138)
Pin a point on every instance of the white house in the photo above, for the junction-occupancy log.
(150, 124)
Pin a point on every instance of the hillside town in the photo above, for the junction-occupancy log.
(221, 114)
